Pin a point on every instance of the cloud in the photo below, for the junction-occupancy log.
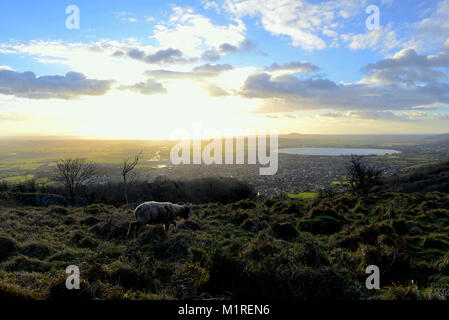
(246, 46)
(169, 55)
(310, 26)
(203, 71)
(387, 116)
(433, 30)
(289, 93)
(148, 87)
(126, 16)
(194, 33)
(215, 91)
(409, 68)
(213, 68)
(383, 39)
(294, 66)
(70, 86)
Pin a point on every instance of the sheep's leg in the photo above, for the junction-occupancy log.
(174, 223)
(131, 226)
(137, 228)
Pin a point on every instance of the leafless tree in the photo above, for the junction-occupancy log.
(74, 173)
(127, 167)
(361, 177)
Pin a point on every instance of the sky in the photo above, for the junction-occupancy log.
(146, 69)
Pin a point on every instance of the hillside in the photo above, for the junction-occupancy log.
(434, 177)
(279, 249)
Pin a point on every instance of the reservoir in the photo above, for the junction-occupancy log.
(337, 151)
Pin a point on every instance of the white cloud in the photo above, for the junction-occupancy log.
(193, 33)
(383, 39)
(309, 26)
(432, 31)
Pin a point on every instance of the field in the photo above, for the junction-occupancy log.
(303, 195)
(279, 249)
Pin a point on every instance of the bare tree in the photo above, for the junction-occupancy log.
(127, 167)
(361, 177)
(74, 173)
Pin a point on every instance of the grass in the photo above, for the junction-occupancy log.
(301, 249)
(303, 195)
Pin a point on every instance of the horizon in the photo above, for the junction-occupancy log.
(140, 71)
(68, 138)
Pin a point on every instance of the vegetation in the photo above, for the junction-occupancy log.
(74, 174)
(362, 177)
(302, 249)
(426, 178)
(127, 167)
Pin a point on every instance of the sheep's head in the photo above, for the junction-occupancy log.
(185, 213)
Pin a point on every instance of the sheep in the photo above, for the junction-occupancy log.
(153, 212)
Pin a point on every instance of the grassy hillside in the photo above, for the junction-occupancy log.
(427, 178)
(290, 249)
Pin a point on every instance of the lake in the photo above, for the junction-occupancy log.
(337, 151)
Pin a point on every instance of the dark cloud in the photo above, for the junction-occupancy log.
(299, 66)
(211, 55)
(70, 86)
(162, 56)
(228, 48)
(147, 88)
(246, 46)
(264, 85)
(408, 68)
(289, 93)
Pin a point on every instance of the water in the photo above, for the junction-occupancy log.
(337, 151)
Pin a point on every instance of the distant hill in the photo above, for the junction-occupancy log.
(293, 135)
(437, 138)
(433, 177)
